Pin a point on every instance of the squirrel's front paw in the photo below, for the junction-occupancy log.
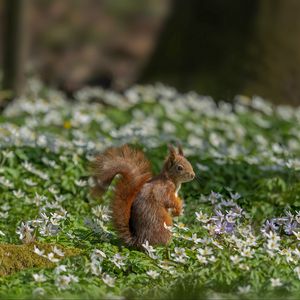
(177, 211)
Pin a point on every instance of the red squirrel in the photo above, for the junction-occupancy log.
(142, 202)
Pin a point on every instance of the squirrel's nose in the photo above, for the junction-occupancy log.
(192, 175)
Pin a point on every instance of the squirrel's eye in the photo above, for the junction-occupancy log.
(179, 168)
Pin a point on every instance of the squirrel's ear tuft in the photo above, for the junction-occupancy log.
(172, 151)
(180, 151)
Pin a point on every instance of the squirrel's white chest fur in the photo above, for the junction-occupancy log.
(177, 190)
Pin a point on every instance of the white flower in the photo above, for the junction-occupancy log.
(275, 282)
(107, 279)
(59, 198)
(297, 271)
(297, 234)
(51, 257)
(59, 269)
(217, 244)
(243, 266)
(38, 251)
(44, 217)
(95, 267)
(55, 219)
(98, 254)
(179, 255)
(288, 253)
(247, 252)
(91, 180)
(38, 292)
(235, 259)
(58, 251)
(118, 260)
(235, 196)
(180, 251)
(181, 226)
(28, 166)
(201, 217)
(272, 245)
(18, 194)
(7, 154)
(42, 175)
(38, 199)
(212, 258)
(50, 163)
(205, 252)
(251, 241)
(273, 236)
(297, 252)
(29, 182)
(297, 217)
(80, 183)
(5, 207)
(202, 167)
(74, 278)
(166, 266)
(24, 231)
(202, 259)
(52, 190)
(48, 229)
(169, 228)
(39, 277)
(195, 239)
(210, 228)
(169, 127)
(6, 182)
(101, 212)
(244, 289)
(63, 281)
(3, 215)
(63, 158)
(149, 249)
(153, 274)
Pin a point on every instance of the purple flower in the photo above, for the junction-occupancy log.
(237, 210)
(214, 197)
(281, 221)
(289, 227)
(219, 227)
(224, 227)
(270, 225)
(229, 227)
(219, 215)
(235, 196)
(227, 203)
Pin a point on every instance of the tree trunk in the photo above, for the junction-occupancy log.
(277, 52)
(15, 47)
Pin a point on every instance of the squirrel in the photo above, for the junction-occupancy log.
(143, 204)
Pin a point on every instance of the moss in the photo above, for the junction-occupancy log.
(14, 258)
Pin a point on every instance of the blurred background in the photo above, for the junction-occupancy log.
(218, 48)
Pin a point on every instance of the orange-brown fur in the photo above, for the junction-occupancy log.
(141, 204)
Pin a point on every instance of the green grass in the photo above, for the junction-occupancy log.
(245, 154)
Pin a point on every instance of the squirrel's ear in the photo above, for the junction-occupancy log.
(180, 151)
(172, 151)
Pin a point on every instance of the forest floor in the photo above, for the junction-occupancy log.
(240, 231)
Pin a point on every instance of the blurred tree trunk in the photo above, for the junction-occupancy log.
(15, 46)
(204, 47)
(224, 48)
(276, 52)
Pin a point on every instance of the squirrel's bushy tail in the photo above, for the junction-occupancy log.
(134, 169)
